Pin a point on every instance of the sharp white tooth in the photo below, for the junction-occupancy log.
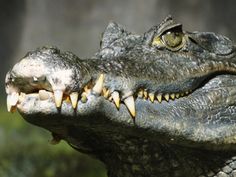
(167, 97)
(129, 102)
(12, 101)
(58, 95)
(159, 97)
(99, 84)
(74, 99)
(43, 95)
(9, 106)
(172, 96)
(116, 98)
(14, 98)
(151, 97)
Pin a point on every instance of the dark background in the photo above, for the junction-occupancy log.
(76, 25)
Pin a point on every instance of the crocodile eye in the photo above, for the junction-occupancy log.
(172, 39)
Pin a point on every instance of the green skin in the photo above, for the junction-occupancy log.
(193, 135)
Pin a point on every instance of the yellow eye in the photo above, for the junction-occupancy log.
(172, 39)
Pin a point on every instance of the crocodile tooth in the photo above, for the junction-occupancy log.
(107, 94)
(84, 97)
(43, 95)
(145, 94)
(58, 96)
(181, 94)
(167, 96)
(104, 90)
(177, 95)
(140, 94)
(187, 92)
(129, 102)
(74, 99)
(116, 98)
(12, 100)
(159, 97)
(99, 84)
(172, 96)
(151, 97)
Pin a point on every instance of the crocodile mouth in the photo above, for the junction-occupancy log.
(190, 114)
(205, 90)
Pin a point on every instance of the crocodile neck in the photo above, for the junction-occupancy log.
(132, 156)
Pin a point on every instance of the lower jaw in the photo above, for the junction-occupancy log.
(166, 121)
(147, 148)
(125, 149)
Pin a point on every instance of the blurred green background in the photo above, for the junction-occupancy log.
(25, 151)
(76, 25)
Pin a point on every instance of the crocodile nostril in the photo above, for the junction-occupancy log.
(35, 79)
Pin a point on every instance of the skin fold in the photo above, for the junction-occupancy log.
(157, 104)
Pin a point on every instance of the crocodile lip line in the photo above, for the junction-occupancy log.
(97, 89)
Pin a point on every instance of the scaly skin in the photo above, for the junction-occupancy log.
(192, 133)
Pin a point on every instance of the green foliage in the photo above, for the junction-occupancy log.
(25, 152)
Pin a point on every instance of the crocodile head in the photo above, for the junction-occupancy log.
(143, 104)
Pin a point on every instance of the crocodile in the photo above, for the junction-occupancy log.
(162, 103)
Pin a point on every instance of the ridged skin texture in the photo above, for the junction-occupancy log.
(191, 132)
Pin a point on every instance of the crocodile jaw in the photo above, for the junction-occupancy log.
(145, 144)
(193, 117)
(201, 120)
